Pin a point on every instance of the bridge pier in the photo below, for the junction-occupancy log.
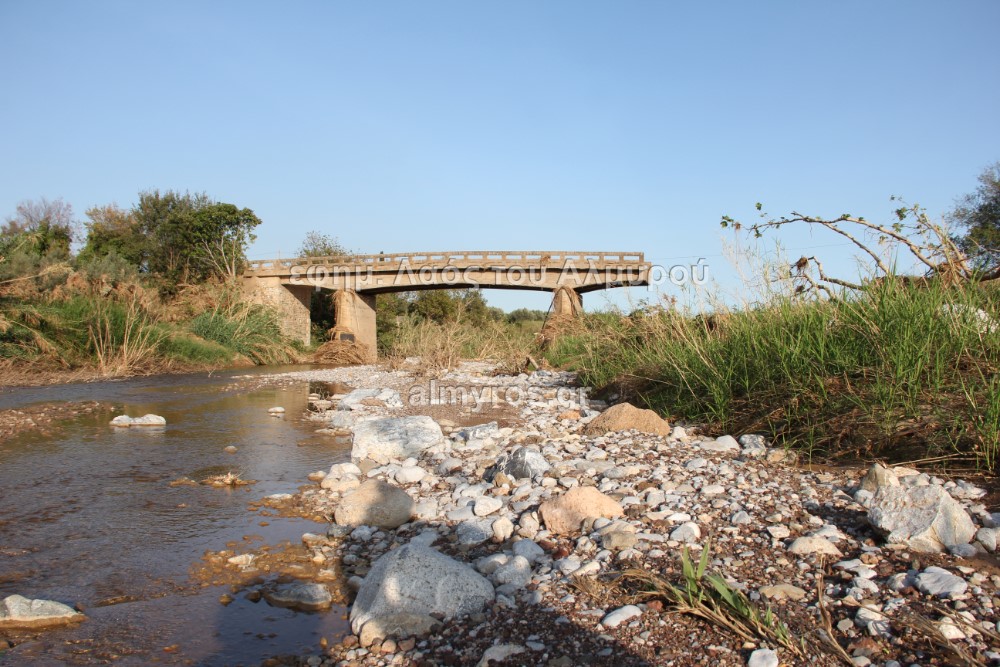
(354, 320)
(290, 301)
(566, 301)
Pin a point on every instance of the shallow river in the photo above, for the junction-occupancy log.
(88, 517)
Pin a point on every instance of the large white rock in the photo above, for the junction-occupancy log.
(421, 581)
(375, 503)
(924, 518)
(385, 438)
(353, 400)
(17, 611)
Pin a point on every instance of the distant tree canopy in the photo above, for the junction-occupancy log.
(526, 315)
(40, 229)
(318, 244)
(37, 237)
(177, 237)
(978, 215)
(447, 305)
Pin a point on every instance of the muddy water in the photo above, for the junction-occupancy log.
(88, 517)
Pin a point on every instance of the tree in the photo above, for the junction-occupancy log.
(166, 221)
(438, 305)
(879, 244)
(173, 236)
(42, 229)
(978, 214)
(222, 233)
(318, 244)
(114, 230)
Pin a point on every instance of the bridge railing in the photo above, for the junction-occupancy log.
(485, 258)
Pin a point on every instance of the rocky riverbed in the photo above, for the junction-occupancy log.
(522, 524)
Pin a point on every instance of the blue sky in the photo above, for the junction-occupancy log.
(405, 126)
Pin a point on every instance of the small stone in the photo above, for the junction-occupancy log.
(503, 528)
(783, 592)
(686, 533)
(619, 540)
(778, 532)
(487, 505)
(499, 653)
(529, 550)
(941, 583)
(811, 544)
(763, 657)
(410, 475)
(230, 449)
(620, 615)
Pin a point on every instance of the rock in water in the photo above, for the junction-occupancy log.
(385, 438)
(375, 503)
(19, 612)
(305, 596)
(145, 420)
(625, 416)
(522, 463)
(924, 518)
(418, 581)
(563, 515)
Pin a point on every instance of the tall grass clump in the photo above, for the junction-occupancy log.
(897, 370)
(250, 329)
(122, 336)
(442, 345)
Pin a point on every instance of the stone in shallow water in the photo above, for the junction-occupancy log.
(304, 596)
(17, 611)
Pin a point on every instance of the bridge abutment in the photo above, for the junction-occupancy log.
(290, 301)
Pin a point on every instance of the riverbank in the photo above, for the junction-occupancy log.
(596, 587)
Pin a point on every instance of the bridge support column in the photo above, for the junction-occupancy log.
(566, 302)
(354, 315)
(290, 301)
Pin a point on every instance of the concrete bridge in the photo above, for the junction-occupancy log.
(355, 280)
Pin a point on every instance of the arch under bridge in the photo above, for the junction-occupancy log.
(354, 281)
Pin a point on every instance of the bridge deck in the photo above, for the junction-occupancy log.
(487, 259)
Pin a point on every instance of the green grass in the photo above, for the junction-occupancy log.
(250, 330)
(122, 336)
(883, 373)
